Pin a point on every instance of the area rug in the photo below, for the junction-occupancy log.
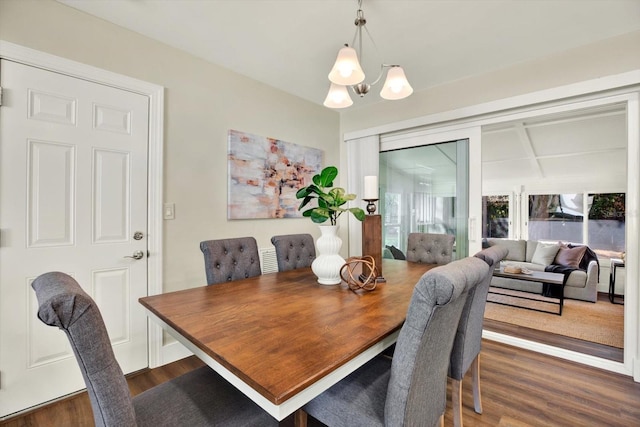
(601, 322)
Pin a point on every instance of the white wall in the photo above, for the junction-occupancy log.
(202, 102)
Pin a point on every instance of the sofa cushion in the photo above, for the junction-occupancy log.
(570, 257)
(577, 279)
(515, 248)
(531, 249)
(545, 253)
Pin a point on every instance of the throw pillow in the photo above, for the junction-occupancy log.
(545, 254)
(397, 253)
(570, 257)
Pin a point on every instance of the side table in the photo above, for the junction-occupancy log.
(615, 264)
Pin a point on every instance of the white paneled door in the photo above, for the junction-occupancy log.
(73, 198)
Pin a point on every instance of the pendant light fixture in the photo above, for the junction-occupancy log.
(347, 72)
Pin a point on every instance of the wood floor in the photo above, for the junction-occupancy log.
(560, 341)
(520, 388)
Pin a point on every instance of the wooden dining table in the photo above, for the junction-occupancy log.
(282, 338)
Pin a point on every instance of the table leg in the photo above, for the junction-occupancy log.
(300, 418)
(611, 284)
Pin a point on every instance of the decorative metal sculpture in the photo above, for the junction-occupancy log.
(353, 273)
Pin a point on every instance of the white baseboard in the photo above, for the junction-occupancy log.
(597, 362)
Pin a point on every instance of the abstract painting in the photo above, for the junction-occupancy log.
(265, 174)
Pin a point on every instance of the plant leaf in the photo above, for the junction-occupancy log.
(305, 201)
(327, 176)
(329, 202)
(303, 192)
(358, 213)
(318, 216)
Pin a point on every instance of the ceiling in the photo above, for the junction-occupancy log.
(580, 146)
(292, 44)
(583, 146)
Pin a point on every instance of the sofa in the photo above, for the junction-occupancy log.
(578, 262)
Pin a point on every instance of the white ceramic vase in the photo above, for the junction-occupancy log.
(328, 262)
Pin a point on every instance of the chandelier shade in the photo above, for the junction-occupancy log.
(338, 97)
(346, 71)
(396, 86)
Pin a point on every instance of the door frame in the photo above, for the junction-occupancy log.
(624, 87)
(474, 179)
(155, 93)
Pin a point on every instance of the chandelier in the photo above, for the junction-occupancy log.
(347, 72)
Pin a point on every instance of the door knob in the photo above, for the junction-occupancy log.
(136, 255)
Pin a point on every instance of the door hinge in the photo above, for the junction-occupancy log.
(0, 95)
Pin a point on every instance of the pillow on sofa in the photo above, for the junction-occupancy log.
(515, 248)
(545, 254)
(570, 257)
(531, 249)
(397, 253)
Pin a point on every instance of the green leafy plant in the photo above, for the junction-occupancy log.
(330, 200)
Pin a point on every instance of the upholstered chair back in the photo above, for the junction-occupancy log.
(294, 251)
(465, 354)
(469, 335)
(417, 389)
(199, 397)
(430, 248)
(64, 304)
(226, 260)
(409, 389)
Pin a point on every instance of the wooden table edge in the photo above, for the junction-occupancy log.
(288, 406)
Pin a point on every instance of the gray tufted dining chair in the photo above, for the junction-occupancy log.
(198, 398)
(411, 388)
(294, 251)
(430, 248)
(465, 354)
(226, 260)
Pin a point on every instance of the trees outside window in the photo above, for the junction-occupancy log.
(562, 217)
(495, 216)
(607, 224)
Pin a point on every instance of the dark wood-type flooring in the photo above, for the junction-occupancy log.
(520, 388)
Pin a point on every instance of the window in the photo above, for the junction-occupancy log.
(392, 219)
(606, 224)
(495, 216)
(424, 190)
(556, 217)
(561, 217)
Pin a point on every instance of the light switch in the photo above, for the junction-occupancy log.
(169, 211)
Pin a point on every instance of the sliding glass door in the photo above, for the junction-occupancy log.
(424, 189)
